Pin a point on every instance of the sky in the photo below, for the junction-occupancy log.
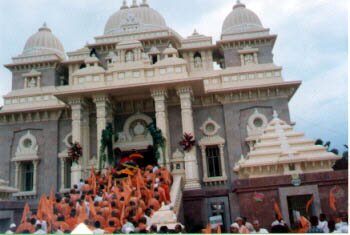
(312, 44)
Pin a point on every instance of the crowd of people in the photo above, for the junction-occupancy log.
(121, 200)
(312, 225)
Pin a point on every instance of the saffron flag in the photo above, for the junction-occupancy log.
(26, 210)
(309, 203)
(207, 230)
(219, 229)
(92, 208)
(332, 201)
(277, 210)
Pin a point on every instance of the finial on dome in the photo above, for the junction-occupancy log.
(124, 6)
(238, 4)
(195, 32)
(144, 3)
(134, 3)
(275, 114)
(44, 27)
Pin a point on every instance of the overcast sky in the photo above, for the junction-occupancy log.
(311, 44)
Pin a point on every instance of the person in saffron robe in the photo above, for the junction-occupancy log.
(154, 203)
(72, 220)
(28, 225)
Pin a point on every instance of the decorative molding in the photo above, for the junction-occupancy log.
(210, 127)
(28, 117)
(135, 134)
(254, 94)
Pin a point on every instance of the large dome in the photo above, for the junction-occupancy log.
(241, 20)
(43, 42)
(134, 19)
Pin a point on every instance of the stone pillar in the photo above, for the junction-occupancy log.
(62, 174)
(17, 166)
(103, 117)
(35, 177)
(160, 95)
(80, 133)
(222, 160)
(191, 164)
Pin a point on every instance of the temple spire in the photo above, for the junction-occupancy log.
(124, 6)
(134, 3)
(144, 3)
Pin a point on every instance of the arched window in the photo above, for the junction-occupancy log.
(129, 56)
(197, 60)
(26, 162)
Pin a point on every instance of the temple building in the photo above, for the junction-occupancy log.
(229, 95)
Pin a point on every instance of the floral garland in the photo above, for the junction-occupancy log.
(75, 152)
(187, 142)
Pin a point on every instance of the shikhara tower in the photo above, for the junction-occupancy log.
(137, 71)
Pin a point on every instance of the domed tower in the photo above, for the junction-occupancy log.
(244, 40)
(138, 22)
(39, 63)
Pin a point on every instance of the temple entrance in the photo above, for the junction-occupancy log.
(297, 208)
(148, 156)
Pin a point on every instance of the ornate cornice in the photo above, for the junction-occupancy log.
(159, 92)
(33, 116)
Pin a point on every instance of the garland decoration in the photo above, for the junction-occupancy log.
(158, 139)
(107, 144)
(75, 152)
(187, 142)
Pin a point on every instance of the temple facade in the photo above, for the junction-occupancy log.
(223, 93)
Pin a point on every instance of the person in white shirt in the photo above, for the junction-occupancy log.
(323, 223)
(257, 228)
(12, 229)
(39, 230)
(148, 213)
(342, 227)
(98, 229)
(128, 226)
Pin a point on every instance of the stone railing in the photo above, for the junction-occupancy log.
(176, 194)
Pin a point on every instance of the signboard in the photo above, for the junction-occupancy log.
(215, 220)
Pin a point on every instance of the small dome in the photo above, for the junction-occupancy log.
(241, 20)
(42, 42)
(134, 19)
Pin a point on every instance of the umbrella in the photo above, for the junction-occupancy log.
(126, 172)
(136, 156)
(130, 165)
(124, 159)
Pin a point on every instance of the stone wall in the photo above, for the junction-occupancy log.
(271, 188)
(232, 57)
(48, 78)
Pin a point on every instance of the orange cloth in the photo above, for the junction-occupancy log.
(109, 230)
(72, 222)
(62, 225)
(332, 201)
(277, 210)
(155, 203)
(25, 226)
(101, 219)
(116, 221)
(243, 230)
(167, 192)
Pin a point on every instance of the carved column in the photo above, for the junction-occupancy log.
(80, 133)
(191, 164)
(204, 162)
(103, 117)
(222, 160)
(17, 177)
(160, 95)
(62, 174)
(35, 164)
